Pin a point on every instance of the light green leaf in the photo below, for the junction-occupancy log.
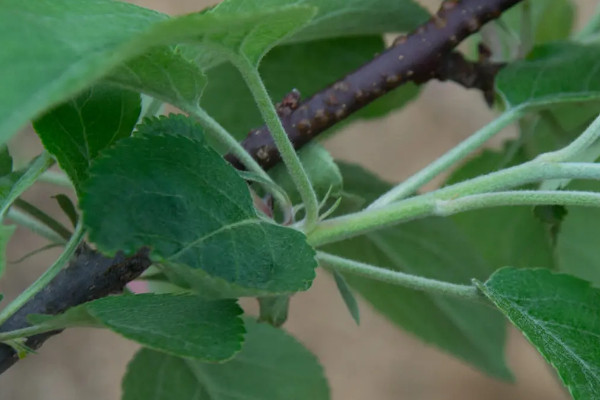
(336, 18)
(6, 232)
(308, 67)
(75, 132)
(180, 198)
(54, 49)
(182, 325)
(577, 245)
(82, 41)
(433, 248)
(271, 366)
(347, 296)
(322, 171)
(558, 314)
(525, 241)
(164, 73)
(552, 74)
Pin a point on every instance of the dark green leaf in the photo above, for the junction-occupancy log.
(274, 309)
(180, 198)
(322, 171)
(173, 124)
(76, 131)
(432, 248)
(271, 366)
(6, 161)
(558, 314)
(65, 204)
(503, 235)
(182, 325)
(347, 296)
(552, 74)
(308, 67)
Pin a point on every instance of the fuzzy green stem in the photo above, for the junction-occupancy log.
(517, 198)
(41, 164)
(576, 147)
(369, 271)
(47, 276)
(412, 184)
(25, 332)
(351, 225)
(285, 147)
(529, 172)
(27, 221)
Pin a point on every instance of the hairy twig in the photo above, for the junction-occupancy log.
(418, 57)
(423, 55)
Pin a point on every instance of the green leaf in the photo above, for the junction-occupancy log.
(347, 296)
(577, 244)
(558, 314)
(552, 74)
(308, 67)
(67, 206)
(336, 18)
(182, 325)
(173, 124)
(6, 232)
(432, 248)
(75, 132)
(164, 73)
(54, 49)
(6, 161)
(179, 197)
(322, 171)
(274, 309)
(525, 241)
(551, 20)
(82, 41)
(271, 366)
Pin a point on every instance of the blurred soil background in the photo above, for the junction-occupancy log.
(374, 361)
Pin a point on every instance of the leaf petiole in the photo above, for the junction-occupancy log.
(285, 147)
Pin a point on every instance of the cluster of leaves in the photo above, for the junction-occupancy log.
(162, 184)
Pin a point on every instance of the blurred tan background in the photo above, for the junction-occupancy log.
(373, 361)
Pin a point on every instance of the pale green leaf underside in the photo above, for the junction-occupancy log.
(271, 366)
(559, 315)
(436, 249)
(179, 197)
